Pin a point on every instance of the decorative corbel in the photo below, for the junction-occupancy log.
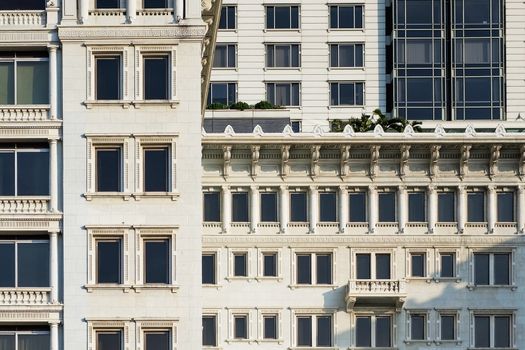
(495, 152)
(345, 160)
(255, 160)
(314, 160)
(434, 157)
(403, 162)
(374, 160)
(522, 162)
(463, 160)
(227, 157)
(285, 156)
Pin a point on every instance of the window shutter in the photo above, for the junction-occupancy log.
(90, 81)
(125, 257)
(125, 160)
(428, 264)
(173, 166)
(126, 337)
(139, 257)
(138, 166)
(174, 338)
(90, 181)
(138, 75)
(91, 259)
(173, 74)
(125, 75)
(293, 275)
(173, 258)
(407, 262)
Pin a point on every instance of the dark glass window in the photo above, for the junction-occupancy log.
(23, 5)
(209, 331)
(156, 77)
(228, 18)
(446, 207)
(476, 206)
(24, 79)
(357, 207)
(448, 327)
(417, 327)
(270, 327)
(448, 262)
(225, 56)
(481, 269)
(282, 17)
(109, 261)
(24, 263)
(347, 94)
(296, 126)
(270, 264)
(157, 261)
(383, 331)
(7, 175)
(363, 331)
(155, 4)
(304, 331)
(240, 264)
(283, 55)
(417, 262)
(269, 209)
(108, 4)
(298, 207)
(387, 207)
(222, 93)
(304, 269)
(108, 77)
(506, 207)
(502, 327)
(346, 55)
(25, 172)
(109, 340)
(240, 327)
(324, 269)
(212, 207)
(208, 269)
(156, 169)
(27, 338)
(283, 94)
(346, 16)
(327, 207)
(324, 331)
(156, 340)
(417, 209)
(8, 263)
(502, 269)
(383, 266)
(109, 169)
(240, 208)
(482, 331)
(363, 266)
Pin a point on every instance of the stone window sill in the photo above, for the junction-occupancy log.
(126, 288)
(172, 195)
(512, 287)
(107, 195)
(172, 287)
(447, 279)
(142, 103)
(106, 103)
(299, 286)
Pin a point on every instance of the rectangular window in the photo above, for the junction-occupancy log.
(156, 77)
(155, 4)
(492, 331)
(324, 269)
(383, 266)
(240, 327)
(347, 94)
(109, 261)
(212, 207)
(298, 207)
(222, 93)
(387, 207)
(23, 5)
(327, 207)
(156, 169)
(25, 171)
(270, 264)
(109, 340)
(476, 206)
(346, 55)
(321, 273)
(500, 274)
(363, 331)
(417, 209)
(283, 94)
(24, 338)
(363, 266)
(157, 340)
(24, 78)
(270, 327)
(346, 16)
(417, 264)
(208, 269)
(283, 55)
(447, 265)
(373, 331)
(269, 208)
(108, 169)
(157, 261)
(108, 73)
(282, 17)
(209, 330)
(304, 269)
(304, 331)
(357, 207)
(240, 208)
(447, 325)
(446, 207)
(506, 207)
(107, 4)
(383, 328)
(418, 324)
(322, 333)
(225, 56)
(240, 265)
(228, 17)
(24, 263)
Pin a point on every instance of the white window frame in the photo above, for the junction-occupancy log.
(515, 213)
(337, 204)
(289, 44)
(236, 24)
(236, 190)
(275, 191)
(265, 312)
(242, 312)
(236, 56)
(290, 84)
(457, 326)
(491, 251)
(216, 254)
(144, 326)
(231, 264)
(456, 202)
(17, 242)
(485, 192)
(338, 44)
(492, 313)
(373, 315)
(218, 326)
(313, 313)
(169, 8)
(345, 82)
(313, 256)
(299, 17)
(438, 252)
(418, 312)
(362, 4)
(372, 252)
(260, 263)
(427, 255)
(106, 325)
(93, 6)
(396, 206)
(307, 204)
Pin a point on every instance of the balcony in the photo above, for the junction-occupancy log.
(30, 113)
(271, 120)
(28, 18)
(384, 293)
(25, 296)
(24, 205)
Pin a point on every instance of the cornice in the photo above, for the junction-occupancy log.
(136, 32)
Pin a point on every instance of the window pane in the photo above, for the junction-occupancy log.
(32, 83)
(282, 56)
(506, 207)
(155, 4)
(502, 331)
(240, 207)
(357, 207)
(23, 5)
(324, 269)
(220, 57)
(363, 331)
(108, 170)
(447, 265)
(7, 342)
(282, 94)
(240, 327)
(269, 207)
(212, 206)
(383, 266)
(33, 341)
(33, 173)
(270, 17)
(298, 207)
(481, 269)
(219, 93)
(33, 265)
(7, 83)
(448, 326)
(418, 265)
(334, 17)
(446, 207)
(304, 269)
(282, 17)
(7, 265)
(363, 267)
(477, 51)
(231, 17)
(304, 331)
(387, 207)
(417, 207)
(294, 14)
(209, 331)
(208, 269)
(346, 56)
(383, 331)
(157, 340)
(418, 11)
(108, 78)
(346, 17)
(157, 261)
(477, 11)
(476, 207)
(270, 327)
(482, 331)
(328, 207)
(417, 327)
(502, 269)
(420, 90)
(324, 331)
(109, 341)
(7, 175)
(231, 56)
(419, 51)
(240, 268)
(108, 261)
(156, 78)
(156, 170)
(107, 4)
(270, 265)
(346, 94)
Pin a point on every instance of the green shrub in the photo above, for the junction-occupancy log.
(240, 106)
(264, 105)
(217, 106)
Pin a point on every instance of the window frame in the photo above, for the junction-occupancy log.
(457, 325)
(492, 313)
(500, 191)
(233, 315)
(313, 314)
(339, 5)
(427, 272)
(216, 260)
(373, 329)
(120, 167)
(143, 52)
(331, 45)
(93, 52)
(219, 194)
(244, 192)
(491, 252)
(418, 312)
(16, 242)
(438, 252)
(231, 264)
(16, 333)
(229, 99)
(235, 21)
(267, 46)
(290, 86)
(484, 193)
(344, 105)
(152, 326)
(425, 208)
(96, 326)
(278, 263)
(228, 47)
(396, 206)
(373, 269)
(313, 266)
(364, 192)
(120, 240)
(454, 196)
(290, 5)
(277, 205)
(96, 58)
(269, 312)
(336, 209)
(208, 313)
(307, 205)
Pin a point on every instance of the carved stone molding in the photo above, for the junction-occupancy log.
(101, 33)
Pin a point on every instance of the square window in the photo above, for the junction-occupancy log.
(446, 207)
(417, 327)
(24, 79)
(417, 207)
(240, 208)
(108, 75)
(157, 261)
(298, 207)
(417, 264)
(108, 170)
(212, 207)
(270, 264)
(155, 4)
(283, 94)
(282, 17)
(156, 77)
(209, 330)
(283, 55)
(157, 340)
(228, 17)
(476, 206)
(506, 207)
(387, 207)
(209, 269)
(240, 327)
(358, 207)
(240, 265)
(156, 169)
(109, 261)
(25, 263)
(109, 340)
(225, 56)
(269, 212)
(447, 265)
(447, 327)
(270, 327)
(222, 93)
(327, 207)
(346, 17)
